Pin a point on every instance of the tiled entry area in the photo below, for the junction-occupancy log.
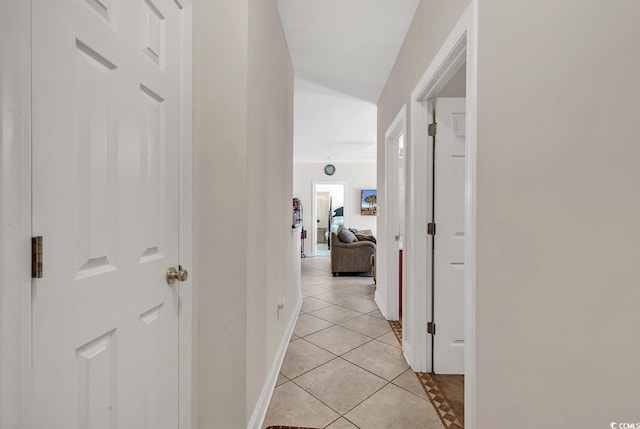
(344, 367)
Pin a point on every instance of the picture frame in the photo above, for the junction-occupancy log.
(369, 202)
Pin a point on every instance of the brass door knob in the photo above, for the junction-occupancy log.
(174, 274)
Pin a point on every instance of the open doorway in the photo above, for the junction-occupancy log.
(446, 244)
(446, 193)
(390, 251)
(328, 214)
(455, 63)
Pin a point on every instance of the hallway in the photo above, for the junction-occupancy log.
(344, 367)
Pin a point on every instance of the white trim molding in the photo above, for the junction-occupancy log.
(459, 48)
(470, 369)
(387, 269)
(262, 406)
(15, 215)
(186, 315)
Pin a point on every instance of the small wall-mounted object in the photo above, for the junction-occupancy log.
(297, 222)
(329, 169)
(297, 213)
(369, 202)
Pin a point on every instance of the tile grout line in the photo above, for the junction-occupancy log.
(387, 382)
(354, 294)
(346, 360)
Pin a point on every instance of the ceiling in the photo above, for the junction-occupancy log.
(342, 53)
(332, 126)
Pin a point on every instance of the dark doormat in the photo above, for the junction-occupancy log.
(446, 392)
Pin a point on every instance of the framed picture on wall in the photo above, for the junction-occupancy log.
(369, 202)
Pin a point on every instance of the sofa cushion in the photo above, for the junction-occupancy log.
(365, 237)
(346, 236)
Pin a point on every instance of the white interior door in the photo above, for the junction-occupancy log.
(449, 205)
(106, 133)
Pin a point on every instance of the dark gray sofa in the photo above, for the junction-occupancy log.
(351, 257)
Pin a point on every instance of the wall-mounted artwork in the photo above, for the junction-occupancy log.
(369, 202)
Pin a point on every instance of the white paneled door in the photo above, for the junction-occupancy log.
(449, 204)
(106, 140)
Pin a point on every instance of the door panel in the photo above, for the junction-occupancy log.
(106, 133)
(449, 191)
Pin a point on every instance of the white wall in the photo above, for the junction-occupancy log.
(457, 86)
(358, 177)
(558, 211)
(243, 128)
(271, 277)
(336, 192)
(557, 207)
(220, 189)
(15, 225)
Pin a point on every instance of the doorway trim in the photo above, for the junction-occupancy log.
(460, 47)
(312, 215)
(17, 249)
(185, 246)
(389, 300)
(15, 225)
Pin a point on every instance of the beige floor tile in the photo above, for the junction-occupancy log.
(312, 362)
(340, 384)
(311, 304)
(301, 357)
(376, 313)
(334, 297)
(408, 380)
(336, 313)
(393, 407)
(362, 305)
(337, 340)
(354, 280)
(313, 290)
(356, 287)
(318, 273)
(310, 277)
(367, 325)
(281, 380)
(292, 406)
(308, 324)
(381, 359)
(342, 423)
(390, 338)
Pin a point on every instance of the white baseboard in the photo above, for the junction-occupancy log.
(260, 410)
(406, 351)
(381, 304)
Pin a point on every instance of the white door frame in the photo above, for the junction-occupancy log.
(16, 249)
(313, 230)
(185, 246)
(460, 47)
(387, 270)
(15, 215)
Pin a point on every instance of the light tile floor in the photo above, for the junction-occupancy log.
(344, 368)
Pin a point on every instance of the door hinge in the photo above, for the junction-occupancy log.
(432, 129)
(431, 228)
(431, 328)
(36, 257)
